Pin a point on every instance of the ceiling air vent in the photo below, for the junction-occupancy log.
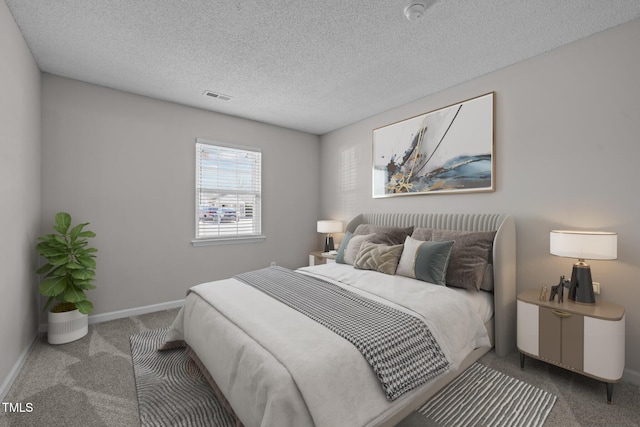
(217, 95)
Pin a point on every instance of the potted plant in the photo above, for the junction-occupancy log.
(68, 273)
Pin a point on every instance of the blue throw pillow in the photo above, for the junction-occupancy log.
(343, 246)
(425, 260)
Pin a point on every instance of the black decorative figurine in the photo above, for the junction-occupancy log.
(559, 289)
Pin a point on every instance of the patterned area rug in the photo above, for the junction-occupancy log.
(484, 397)
(171, 389)
(173, 392)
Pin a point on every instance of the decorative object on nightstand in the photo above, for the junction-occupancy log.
(583, 245)
(543, 293)
(559, 290)
(329, 226)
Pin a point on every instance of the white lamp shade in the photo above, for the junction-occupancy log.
(584, 244)
(329, 226)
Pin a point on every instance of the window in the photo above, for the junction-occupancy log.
(228, 193)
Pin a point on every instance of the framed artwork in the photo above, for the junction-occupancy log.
(450, 150)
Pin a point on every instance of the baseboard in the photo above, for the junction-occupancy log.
(120, 314)
(105, 317)
(631, 376)
(17, 367)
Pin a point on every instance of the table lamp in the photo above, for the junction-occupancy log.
(583, 245)
(329, 226)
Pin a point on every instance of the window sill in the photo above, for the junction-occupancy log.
(227, 241)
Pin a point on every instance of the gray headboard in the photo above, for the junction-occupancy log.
(504, 258)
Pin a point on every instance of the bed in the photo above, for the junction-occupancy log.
(274, 365)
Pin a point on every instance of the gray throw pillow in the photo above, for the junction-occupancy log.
(422, 233)
(487, 279)
(378, 257)
(469, 256)
(384, 234)
(426, 261)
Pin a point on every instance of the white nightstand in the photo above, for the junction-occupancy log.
(319, 257)
(584, 338)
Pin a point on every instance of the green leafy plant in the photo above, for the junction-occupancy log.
(70, 267)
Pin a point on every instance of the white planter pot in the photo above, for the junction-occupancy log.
(67, 326)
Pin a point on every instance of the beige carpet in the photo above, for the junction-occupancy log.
(88, 382)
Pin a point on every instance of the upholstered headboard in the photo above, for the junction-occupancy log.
(504, 258)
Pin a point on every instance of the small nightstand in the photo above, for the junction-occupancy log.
(587, 339)
(319, 257)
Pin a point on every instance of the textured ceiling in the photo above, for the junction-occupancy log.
(309, 65)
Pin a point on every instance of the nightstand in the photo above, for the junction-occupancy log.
(319, 257)
(584, 338)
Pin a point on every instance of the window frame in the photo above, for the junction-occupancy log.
(225, 239)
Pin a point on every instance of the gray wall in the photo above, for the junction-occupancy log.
(19, 192)
(567, 156)
(126, 164)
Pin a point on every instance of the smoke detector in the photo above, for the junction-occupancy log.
(415, 10)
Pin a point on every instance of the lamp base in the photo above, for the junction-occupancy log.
(328, 244)
(581, 289)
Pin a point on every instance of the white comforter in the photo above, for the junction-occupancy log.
(279, 368)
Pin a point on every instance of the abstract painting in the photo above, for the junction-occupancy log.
(448, 150)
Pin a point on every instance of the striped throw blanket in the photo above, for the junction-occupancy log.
(399, 347)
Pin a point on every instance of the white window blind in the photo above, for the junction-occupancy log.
(228, 193)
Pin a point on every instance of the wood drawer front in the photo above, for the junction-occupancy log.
(550, 336)
(573, 341)
(561, 337)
